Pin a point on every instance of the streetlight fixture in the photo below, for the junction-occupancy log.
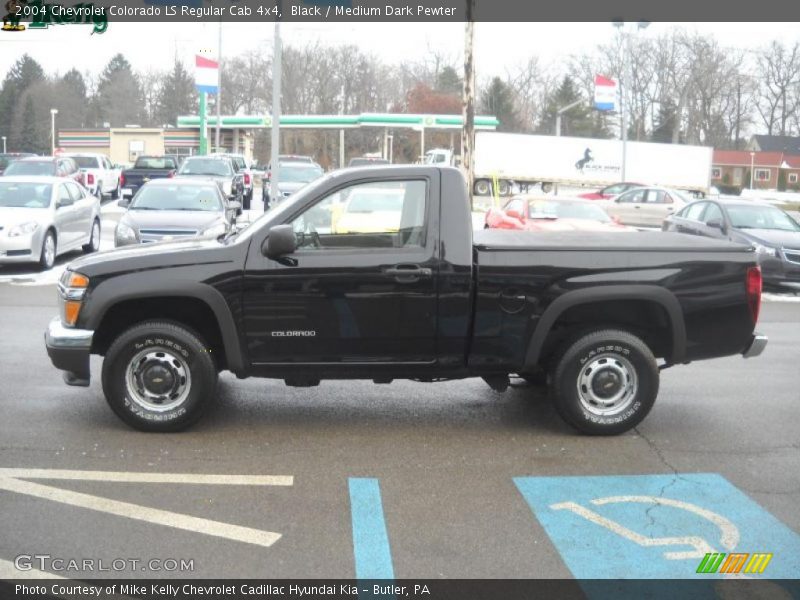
(752, 166)
(53, 113)
(625, 78)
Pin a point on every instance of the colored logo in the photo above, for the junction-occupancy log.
(13, 16)
(741, 562)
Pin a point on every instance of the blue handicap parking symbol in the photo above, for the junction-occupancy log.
(656, 526)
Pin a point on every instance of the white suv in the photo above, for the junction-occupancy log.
(100, 176)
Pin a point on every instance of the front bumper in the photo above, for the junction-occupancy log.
(21, 249)
(69, 350)
(756, 346)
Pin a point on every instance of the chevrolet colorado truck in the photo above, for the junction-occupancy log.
(411, 294)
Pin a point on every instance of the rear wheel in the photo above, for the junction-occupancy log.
(503, 187)
(47, 258)
(605, 382)
(159, 376)
(116, 192)
(482, 187)
(94, 239)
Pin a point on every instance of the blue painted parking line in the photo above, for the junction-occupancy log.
(373, 556)
(655, 526)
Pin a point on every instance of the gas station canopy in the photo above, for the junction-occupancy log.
(386, 120)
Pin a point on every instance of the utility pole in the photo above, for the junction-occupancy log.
(468, 125)
(219, 91)
(276, 113)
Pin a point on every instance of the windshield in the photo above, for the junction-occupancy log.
(85, 162)
(567, 210)
(298, 174)
(204, 198)
(205, 166)
(25, 195)
(154, 162)
(761, 217)
(31, 167)
(366, 201)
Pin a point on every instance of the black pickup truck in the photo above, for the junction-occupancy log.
(144, 169)
(374, 274)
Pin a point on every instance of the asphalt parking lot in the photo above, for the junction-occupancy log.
(407, 480)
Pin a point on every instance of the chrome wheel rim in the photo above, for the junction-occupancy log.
(607, 385)
(49, 250)
(158, 379)
(95, 241)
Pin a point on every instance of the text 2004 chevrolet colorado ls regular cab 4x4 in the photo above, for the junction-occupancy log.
(403, 292)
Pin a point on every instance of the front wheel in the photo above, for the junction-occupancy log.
(482, 187)
(159, 376)
(605, 382)
(48, 256)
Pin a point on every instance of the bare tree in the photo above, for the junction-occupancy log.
(779, 76)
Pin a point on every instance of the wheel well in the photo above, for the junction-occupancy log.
(645, 319)
(187, 311)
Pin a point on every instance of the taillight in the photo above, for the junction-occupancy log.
(753, 285)
(90, 179)
(121, 179)
(269, 175)
(247, 178)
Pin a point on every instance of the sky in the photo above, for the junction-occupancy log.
(498, 46)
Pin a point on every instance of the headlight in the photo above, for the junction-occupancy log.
(125, 233)
(215, 230)
(766, 250)
(23, 229)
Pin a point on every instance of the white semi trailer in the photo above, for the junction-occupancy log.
(518, 161)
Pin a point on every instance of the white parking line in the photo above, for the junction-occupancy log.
(12, 480)
(126, 477)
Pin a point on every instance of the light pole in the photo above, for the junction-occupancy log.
(4, 144)
(625, 79)
(53, 113)
(752, 166)
(276, 113)
(391, 147)
(560, 112)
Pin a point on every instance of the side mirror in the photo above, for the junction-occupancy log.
(234, 205)
(716, 224)
(62, 203)
(281, 241)
(514, 213)
(124, 202)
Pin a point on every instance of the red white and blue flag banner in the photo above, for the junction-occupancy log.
(605, 93)
(206, 75)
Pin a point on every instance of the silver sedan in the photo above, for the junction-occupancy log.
(42, 217)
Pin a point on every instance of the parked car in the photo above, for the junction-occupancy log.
(645, 206)
(43, 217)
(50, 166)
(552, 213)
(292, 176)
(428, 302)
(100, 175)
(296, 158)
(367, 161)
(218, 168)
(147, 168)
(371, 208)
(610, 191)
(176, 209)
(240, 166)
(773, 233)
(8, 157)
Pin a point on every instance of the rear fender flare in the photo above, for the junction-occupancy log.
(661, 296)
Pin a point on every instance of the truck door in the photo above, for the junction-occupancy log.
(361, 285)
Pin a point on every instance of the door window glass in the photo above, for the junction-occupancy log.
(381, 214)
(632, 197)
(75, 191)
(713, 213)
(694, 211)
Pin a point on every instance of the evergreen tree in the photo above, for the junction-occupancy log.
(580, 120)
(119, 99)
(23, 74)
(448, 81)
(665, 123)
(70, 99)
(498, 99)
(29, 138)
(177, 96)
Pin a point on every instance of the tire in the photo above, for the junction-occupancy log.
(47, 258)
(100, 190)
(482, 187)
(503, 187)
(164, 352)
(94, 239)
(547, 187)
(609, 358)
(117, 192)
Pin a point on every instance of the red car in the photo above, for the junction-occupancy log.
(610, 191)
(535, 213)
